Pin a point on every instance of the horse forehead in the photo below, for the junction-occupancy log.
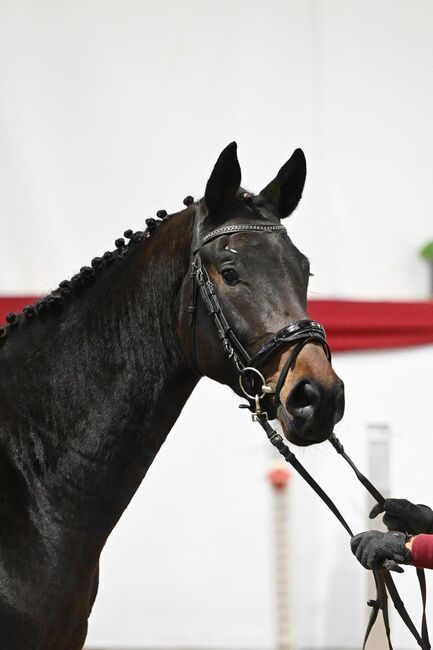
(267, 243)
(266, 251)
(259, 252)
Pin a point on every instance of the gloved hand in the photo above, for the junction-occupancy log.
(401, 514)
(373, 547)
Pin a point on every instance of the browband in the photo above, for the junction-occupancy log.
(228, 230)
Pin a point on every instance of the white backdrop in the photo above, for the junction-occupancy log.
(112, 110)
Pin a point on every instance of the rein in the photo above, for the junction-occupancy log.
(384, 583)
(255, 389)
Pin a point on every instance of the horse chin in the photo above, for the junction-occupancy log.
(288, 425)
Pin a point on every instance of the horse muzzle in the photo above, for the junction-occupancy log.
(311, 410)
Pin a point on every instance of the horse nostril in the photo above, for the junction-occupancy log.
(304, 399)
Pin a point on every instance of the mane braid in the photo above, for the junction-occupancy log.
(53, 302)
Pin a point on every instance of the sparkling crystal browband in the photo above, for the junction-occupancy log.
(228, 230)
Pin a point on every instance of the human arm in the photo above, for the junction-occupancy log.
(373, 547)
(421, 550)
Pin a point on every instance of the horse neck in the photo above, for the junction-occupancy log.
(88, 397)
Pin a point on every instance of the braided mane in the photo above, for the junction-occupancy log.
(54, 301)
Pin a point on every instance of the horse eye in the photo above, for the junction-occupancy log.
(230, 276)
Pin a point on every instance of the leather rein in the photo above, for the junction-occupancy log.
(253, 385)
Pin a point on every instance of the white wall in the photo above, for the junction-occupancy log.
(110, 111)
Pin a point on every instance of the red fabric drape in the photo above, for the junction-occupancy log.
(13, 303)
(350, 324)
(357, 325)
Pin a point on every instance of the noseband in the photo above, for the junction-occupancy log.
(253, 385)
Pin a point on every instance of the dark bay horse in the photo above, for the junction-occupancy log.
(94, 376)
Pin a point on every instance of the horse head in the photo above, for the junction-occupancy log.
(259, 280)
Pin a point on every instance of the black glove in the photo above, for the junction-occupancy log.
(401, 514)
(373, 547)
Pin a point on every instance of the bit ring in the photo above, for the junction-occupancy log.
(262, 381)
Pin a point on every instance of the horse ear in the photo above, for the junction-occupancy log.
(285, 191)
(225, 180)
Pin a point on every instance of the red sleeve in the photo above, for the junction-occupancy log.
(422, 551)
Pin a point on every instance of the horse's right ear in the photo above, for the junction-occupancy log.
(285, 191)
(225, 180)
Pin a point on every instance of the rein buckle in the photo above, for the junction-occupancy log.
(258, 413)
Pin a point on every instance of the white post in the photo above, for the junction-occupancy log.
(378, 443)
(279, 478)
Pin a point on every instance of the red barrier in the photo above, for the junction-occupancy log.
(14, 303)
(358, 325)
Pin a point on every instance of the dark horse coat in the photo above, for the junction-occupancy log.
(94, 376)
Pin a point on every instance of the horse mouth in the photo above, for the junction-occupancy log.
(292, 430)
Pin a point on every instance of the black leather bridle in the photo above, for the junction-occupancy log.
(247, 365)
(253, 385)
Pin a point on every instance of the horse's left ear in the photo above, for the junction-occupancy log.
(285, 191)
(225, 179)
